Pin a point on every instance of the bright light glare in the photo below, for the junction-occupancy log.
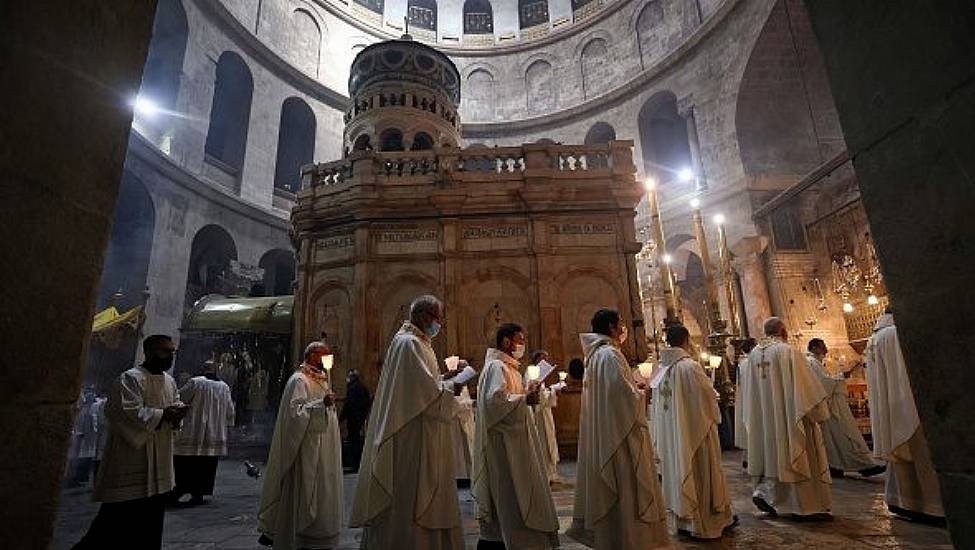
(873, 300)
(695, 203)
(685, 174)
(145, 106)
(649, 184)
(847, 307)
(667, 258)
(719, 219)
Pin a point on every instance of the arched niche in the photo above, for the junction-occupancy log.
(296, 143)
(164, 62)
(541, 87)
(663, 137)
(596, 67)
(601, 133)
(306, 42)
(127, 258)
(209, 270)
(279, 272)
(230, 113)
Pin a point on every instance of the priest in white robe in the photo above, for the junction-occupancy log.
(548, 399)
(464, 437)
(741, 432)
(301, 501)
(406, 497)
(898, 438)
(510, 487)
(846, 449)
(618, 503)
(203, 439)
(142, 412)
(686, 412)
(783, 407)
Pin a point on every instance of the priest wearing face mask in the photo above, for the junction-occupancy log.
(618, 503)
(513, 502)
(406, 496)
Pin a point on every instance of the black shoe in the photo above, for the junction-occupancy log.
(835, 472)
(873, 470)
(917, 517)
(821, 516)
(196, 501)
(265, 540)
(764, 506)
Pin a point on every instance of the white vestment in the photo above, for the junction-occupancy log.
(406, 497)
(545, 425)
(845, 447)
(211, 411)
(687, 417)
(86, 432)
(464, 435)
(912, 483)
(783, 406)
(510, 486)
(618, 503)
(138, 455)
(741, 433)
(301, 502)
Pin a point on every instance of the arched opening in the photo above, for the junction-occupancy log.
(478, 17)
(209, 271)
(127, 258)
(361, 143)
(663, 137)
(279, 272)
(541, 87)
(296, 144)
(532, 12)
(422, 142)
(601, 133)
(230, 114)
(391, 140)
(306, 42)
(422, 14)
(164, 63)
(597, 71)
(661, 27)
(480, 95)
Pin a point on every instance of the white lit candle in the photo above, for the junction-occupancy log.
(646, 370)
(452, 362)
(533, 372)
(562, 376)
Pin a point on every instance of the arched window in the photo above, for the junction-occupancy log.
(663, 138)
(306, 42)
(391, 140)
(422, 14)
(597, 71)
(127, 258)
(478, 17)
(209, 271)
(230, 113)
(164, 64)
(532, 12)
(422, 142)
(296, 143)
(480, 95)
(600, 134)
(541, 87)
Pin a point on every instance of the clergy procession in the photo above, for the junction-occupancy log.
(648, 468)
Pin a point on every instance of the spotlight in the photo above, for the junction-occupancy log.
(873, 300)
(695, 203)
(145, 106)
(719, 219)
(650, 184)
(668, 258)
(685, 174)
(847, 307)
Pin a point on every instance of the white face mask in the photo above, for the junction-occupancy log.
(519, 351)
(623, 334)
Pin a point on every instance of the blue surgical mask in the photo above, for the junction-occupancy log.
(433, 330)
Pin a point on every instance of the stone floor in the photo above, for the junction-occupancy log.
(861, 520)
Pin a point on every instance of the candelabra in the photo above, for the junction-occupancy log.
(656, 233)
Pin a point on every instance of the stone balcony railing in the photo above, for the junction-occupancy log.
(476, 164)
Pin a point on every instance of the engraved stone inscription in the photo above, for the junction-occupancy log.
(337, 241)
(499, 232)
(583, 228)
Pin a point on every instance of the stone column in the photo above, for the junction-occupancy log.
(694, 144)
(754, 286)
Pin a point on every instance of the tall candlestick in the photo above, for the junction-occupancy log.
(657, 230)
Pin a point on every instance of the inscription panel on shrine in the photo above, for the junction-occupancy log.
(494, 237)
(404, 238)
(329, 248)
(582, 233)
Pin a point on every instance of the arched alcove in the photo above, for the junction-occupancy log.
(541, 87)
(230, 113)
(279, 272)
(478, 17)
(597, 70)
(209, 269)
(296, 143)
(600, 134)
(663, 137)
(164, 63)
(421, 142)
(127, 258)
(391, 140)
(480, 95)
(306, 42)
